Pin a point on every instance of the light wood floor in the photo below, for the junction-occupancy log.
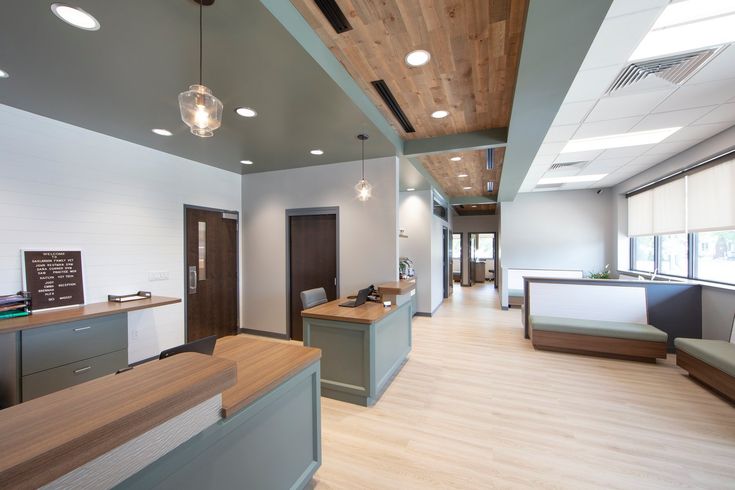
(476, 407)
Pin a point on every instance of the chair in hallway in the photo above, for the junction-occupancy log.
(313, 297)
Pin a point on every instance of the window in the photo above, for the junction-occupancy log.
(485, 246)
(456, 245)
(673, 255)
(642, 258)
(715, 257)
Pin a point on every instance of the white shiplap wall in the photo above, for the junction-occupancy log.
(62, 186)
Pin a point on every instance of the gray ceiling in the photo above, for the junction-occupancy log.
(123, 81)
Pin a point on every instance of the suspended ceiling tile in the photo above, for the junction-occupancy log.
(628, 151)
(699, 132)
(722, 114)
(578, 156)
(638, 104)
(607, 127)
(590, 83)
(722, 67)
(699, 95)
(671, 119)
(610, 47)
(573, 112)
(560, 133)
(624, 7)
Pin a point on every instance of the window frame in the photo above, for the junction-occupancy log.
(692, 247)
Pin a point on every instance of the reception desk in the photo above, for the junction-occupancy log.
(247, 417)
(362, 348)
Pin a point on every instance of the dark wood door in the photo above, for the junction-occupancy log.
(211, 279)
(312, 261)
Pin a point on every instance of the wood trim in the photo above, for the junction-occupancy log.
(717, 380)
(370, 312)
(93, 310)
(261, 366)
(402, 286)
(595, 345)
(46, 438)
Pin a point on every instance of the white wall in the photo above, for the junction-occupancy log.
(368, 232)
(120, 203)
(557, 230)
(718, 303)
(415, 217)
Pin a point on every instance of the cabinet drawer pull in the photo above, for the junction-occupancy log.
(81, 328)
(81, 370)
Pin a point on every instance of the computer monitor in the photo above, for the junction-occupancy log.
(202, 346)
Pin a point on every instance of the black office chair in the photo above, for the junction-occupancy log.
(313, 297)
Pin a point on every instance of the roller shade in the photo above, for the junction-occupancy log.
(711, 205)
(640, 214)
(669, 208)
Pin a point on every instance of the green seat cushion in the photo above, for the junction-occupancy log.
(598, 328)
(516, 293)
(717, 353)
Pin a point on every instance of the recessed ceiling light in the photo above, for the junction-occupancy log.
(4, 74)
(439, 114)
(246, 162)
(410, 189)
(418, 58)
(636, 138)
(162, 132)
(572, 179)
(467, 188)
(462, 176)
(246, 112)
(474, 205)
(316, 152)
(456, 159)
(75, 16)
(689, 25)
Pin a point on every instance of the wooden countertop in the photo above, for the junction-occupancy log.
(261, 366)
(370, 312)
(92, 310)
(49, 436)
(402, 286)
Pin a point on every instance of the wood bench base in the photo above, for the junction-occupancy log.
(717, 380)
(592, 345)
(515, 300)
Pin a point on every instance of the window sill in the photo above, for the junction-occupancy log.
(647, 276)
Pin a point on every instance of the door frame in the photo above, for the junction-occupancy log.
(461, 256)
(495, 251)
(186, 265)
(327, 210)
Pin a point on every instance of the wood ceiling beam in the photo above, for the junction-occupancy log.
(475, 140)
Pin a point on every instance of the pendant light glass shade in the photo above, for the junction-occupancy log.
(363, 187)
(200, 110)
(364, 190)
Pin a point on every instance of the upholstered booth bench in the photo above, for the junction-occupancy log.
(710, 361)
(623, 340)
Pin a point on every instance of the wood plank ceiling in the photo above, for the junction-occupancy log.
(475, 209)
(468, 176)
(475, 49)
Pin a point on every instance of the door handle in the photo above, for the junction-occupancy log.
(192, 279)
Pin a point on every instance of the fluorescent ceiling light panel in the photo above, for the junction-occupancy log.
(571, 179)
(680, 31)
(636, 138)
(692, 11)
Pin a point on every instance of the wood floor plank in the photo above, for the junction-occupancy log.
(477, 407)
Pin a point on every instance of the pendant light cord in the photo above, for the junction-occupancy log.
(201, 2)
(363, 159)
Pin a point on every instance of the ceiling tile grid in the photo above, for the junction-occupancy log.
(702, 106)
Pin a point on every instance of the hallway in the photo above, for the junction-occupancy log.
(476, 407)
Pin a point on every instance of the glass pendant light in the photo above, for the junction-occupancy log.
(200, 109)
(363, 187)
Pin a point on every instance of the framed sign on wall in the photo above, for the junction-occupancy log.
(53, 277)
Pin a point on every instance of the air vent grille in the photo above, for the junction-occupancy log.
(558, 166)
(334, 15)
(382, 88)
(675, 69)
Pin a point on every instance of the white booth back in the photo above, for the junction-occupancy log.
(515, 276)
(588, 302)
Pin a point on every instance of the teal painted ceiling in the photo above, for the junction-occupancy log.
(123, 80)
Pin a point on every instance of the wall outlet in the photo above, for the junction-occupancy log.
(158, 276)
